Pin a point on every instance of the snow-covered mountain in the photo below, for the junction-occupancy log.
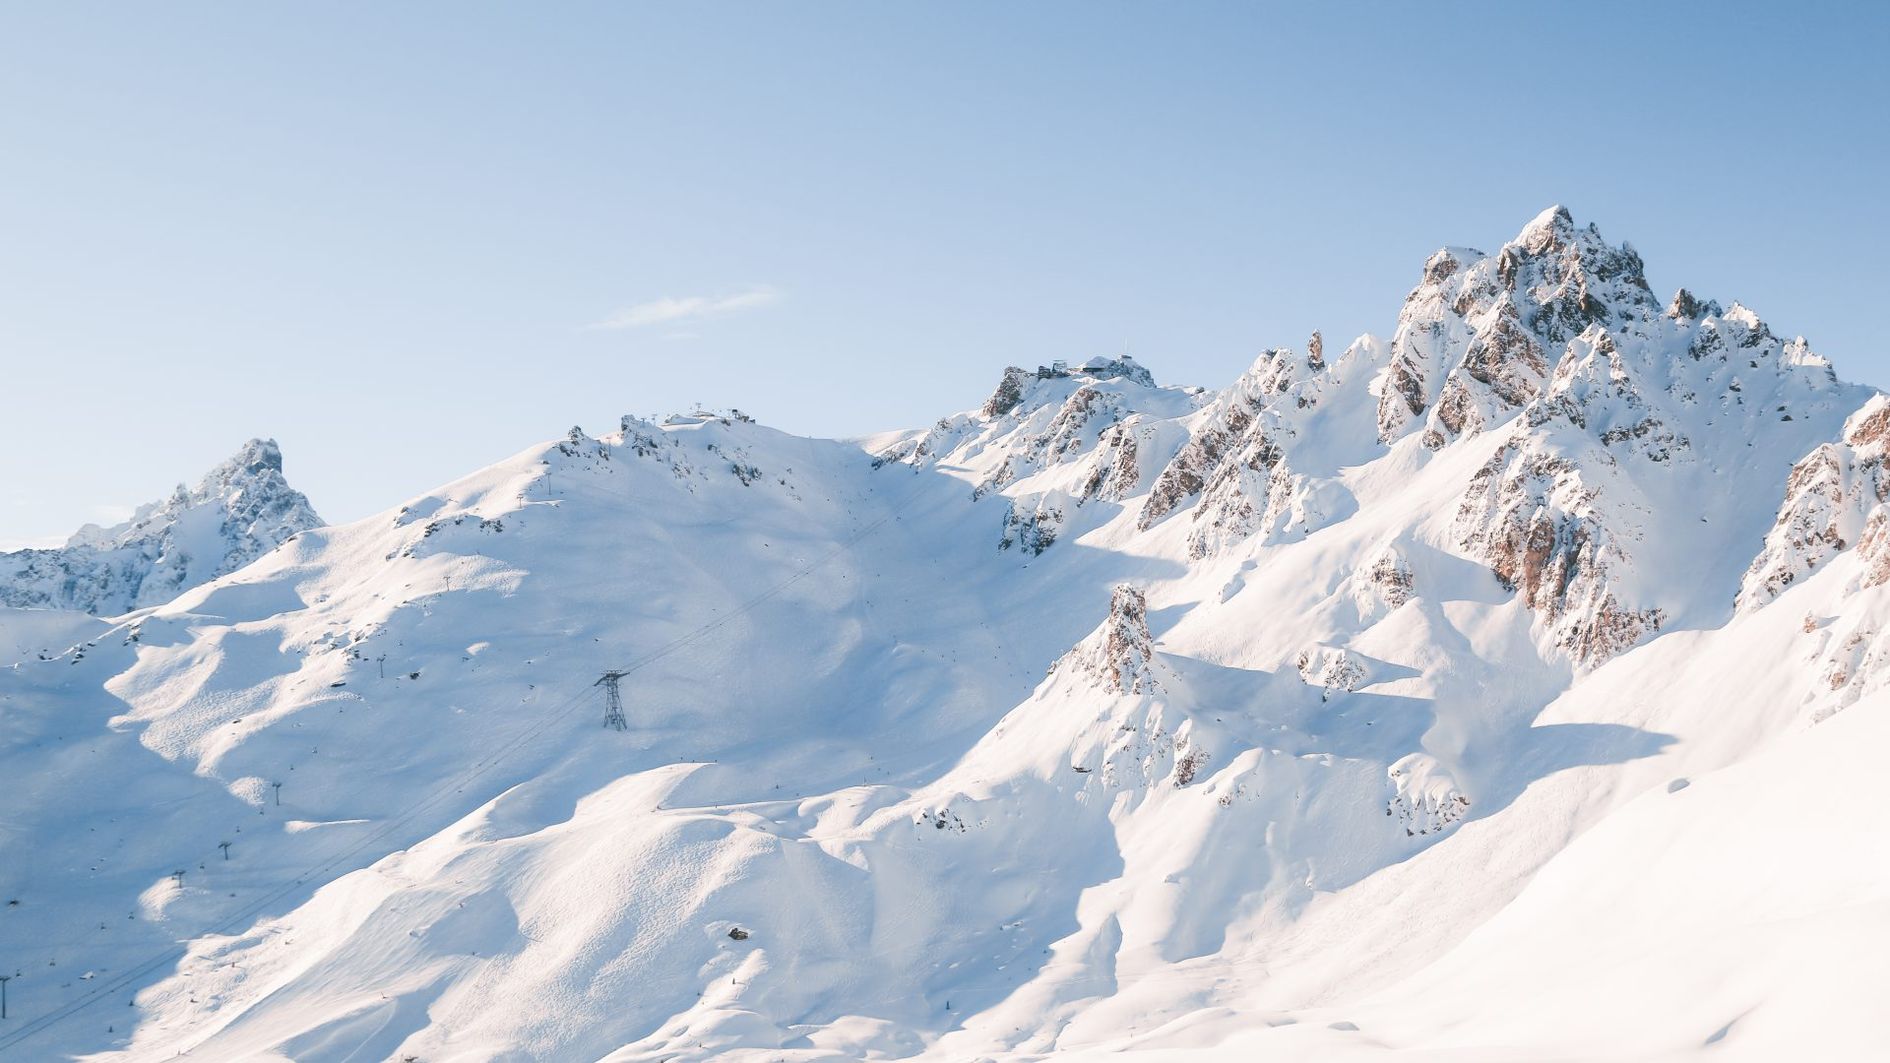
(1504, 688)
(241, 510)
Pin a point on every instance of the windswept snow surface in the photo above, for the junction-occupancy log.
(1392, 701)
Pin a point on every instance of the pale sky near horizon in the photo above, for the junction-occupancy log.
(409, 240)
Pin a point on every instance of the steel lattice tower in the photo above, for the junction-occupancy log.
(613, 701)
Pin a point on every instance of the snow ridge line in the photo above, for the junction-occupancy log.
(577, 700)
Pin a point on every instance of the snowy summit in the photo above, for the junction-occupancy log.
(239, 511)
(1506, 684)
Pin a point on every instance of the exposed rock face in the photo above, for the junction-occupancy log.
(1873, 548)
(1234, 465)
(1424, 797)
(1032, 524)
(1850, 658)
(1234, 448)
(1093, 417)
(1561, 510)
(1385, 584)
(1834, 498)
(1010, 392)
(1116, 469)
(1477, 336)
(1685, 306)
(1076, 426)
(1533, 517)
(1605, 414)
(1120, 654)
(1144, 738)
(1109, 710)
(241, 510)
(1332, 668)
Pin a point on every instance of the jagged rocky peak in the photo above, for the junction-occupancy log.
(1093, 431)
(1479, 334)
(1572, 276)
(1834, 499)
(1616, 408)
(1049, 433)
(253, 505)
(240, 510)
(1146, 737)
(1009, 393)
(1573, 509)
(1119, 656)
(1685, 306)
(1234, 466)
(1016, 381)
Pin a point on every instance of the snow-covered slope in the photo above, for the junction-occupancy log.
(1461, 695)
(241, 510)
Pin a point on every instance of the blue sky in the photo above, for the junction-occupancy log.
(409, 240)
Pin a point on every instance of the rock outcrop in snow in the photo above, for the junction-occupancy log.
(1834, 499)
(1120, 654)
(1479, 334)
(1237, 469)
(1849, 660)
(1090, 418)
(1332, 668)
(1384, 583)
(239, 511)
(1644, 416)
(1424, 797)
(1597, 415)
(1540, 523)
(887, 791)
(1144, 735)
(1032, 523)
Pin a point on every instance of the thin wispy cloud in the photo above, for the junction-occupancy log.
(671, 311)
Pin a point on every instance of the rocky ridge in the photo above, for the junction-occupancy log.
(239, 511)
(1599, 410)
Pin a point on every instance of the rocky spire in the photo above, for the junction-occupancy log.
(1010, 392)
(240, 510)
(1685, 306)
(1479, 333)
(1119, 655)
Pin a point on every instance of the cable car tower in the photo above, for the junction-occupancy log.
(613, 700)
